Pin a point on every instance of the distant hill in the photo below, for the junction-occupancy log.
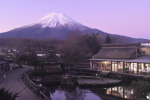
(57, 26)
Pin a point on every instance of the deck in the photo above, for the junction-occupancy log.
(98, 82)
(133, 75)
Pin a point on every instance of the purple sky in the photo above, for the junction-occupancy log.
(123, 17)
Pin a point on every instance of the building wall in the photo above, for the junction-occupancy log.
(53, 68)
(146, 50)
(4, 67)
(121, 67)
(103, 66)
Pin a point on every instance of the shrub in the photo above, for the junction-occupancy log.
(71, 81)
(140, 88)
(5, 94)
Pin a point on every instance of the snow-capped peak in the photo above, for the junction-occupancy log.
(56, 19)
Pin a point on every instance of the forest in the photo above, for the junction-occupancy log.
(76, 48)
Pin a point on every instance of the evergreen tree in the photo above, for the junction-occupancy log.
(33, 60)
(93, 42)
(108, 39)
(140, 88)
(5, 94)
(95, 45)
(75, 49)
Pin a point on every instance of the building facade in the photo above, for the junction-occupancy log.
(122, 58)
(53, 63)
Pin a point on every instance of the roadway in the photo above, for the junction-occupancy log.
(14, 82)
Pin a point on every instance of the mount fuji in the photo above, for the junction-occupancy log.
(57, 26)
(59, 19)
(54, 25)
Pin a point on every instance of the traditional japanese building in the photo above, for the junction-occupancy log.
(53, 63)
(130, 58)
(4, 64)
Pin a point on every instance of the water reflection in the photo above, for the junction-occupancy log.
(97, 93)
(148, 96)
(127, 93)
(78, 94)
(120, 91)
(72, 93)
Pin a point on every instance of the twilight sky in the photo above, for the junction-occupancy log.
(123, 17)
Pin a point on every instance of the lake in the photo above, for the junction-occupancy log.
(120, 92)
(72, 93)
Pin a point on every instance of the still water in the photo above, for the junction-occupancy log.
(121, 92)
(72, 93)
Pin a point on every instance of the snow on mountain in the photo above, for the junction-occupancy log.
(58, 26)
(59, 19)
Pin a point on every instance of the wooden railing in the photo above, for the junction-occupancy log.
(37, 89)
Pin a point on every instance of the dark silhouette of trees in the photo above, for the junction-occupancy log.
(33, 60)
(5, 94)
(78, 48)
(108, 39)
(93, 42)
(77, 94)
(74, 48)
(21, 59)
(14, 56)
(140, 87)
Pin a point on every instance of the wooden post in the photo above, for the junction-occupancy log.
(101, 66)
(117, 66)
(92, 66)
(111, 65)
(130, 67)
(136, 52)
(111, 90)
(40, 95)
(144, 68)
(137, 68)
(123, 67)
(123, 92)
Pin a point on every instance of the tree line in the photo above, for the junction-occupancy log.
(76, 48)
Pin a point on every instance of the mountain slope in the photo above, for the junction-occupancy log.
(59, 19)
(54, 25)
(57, 26)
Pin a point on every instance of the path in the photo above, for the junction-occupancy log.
(13, 79)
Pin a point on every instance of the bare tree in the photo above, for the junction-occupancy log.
(75, 49)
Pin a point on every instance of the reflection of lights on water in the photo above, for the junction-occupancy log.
(148, 97)
(109, 89)
(125, 96)
(115, 88)
(40, 84)
(4, 75)
(131, 91)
